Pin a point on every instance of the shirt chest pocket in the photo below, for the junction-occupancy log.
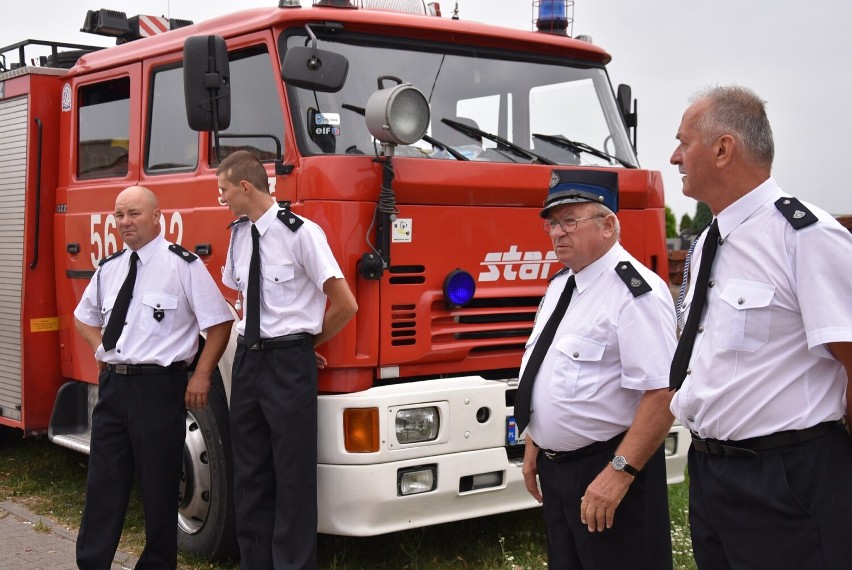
(576, 367)
(278, 284)
(157, 314)
(744, 315)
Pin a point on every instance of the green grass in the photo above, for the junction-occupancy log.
(50, 481)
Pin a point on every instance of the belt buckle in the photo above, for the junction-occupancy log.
(121, 369)
(550, 454)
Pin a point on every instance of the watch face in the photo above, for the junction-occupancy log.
(618, 462)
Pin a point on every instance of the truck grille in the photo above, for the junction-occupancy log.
(491, 323)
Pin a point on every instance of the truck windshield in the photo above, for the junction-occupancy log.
(514, 96)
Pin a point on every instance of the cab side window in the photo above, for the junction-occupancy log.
(256, 115)
(171, 144)
(103, 127)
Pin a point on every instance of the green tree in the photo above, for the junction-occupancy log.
(671, 223)
(703, 217)
(685, 224)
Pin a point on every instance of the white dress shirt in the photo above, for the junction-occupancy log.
(294, 267)
(184, 291)
(609, 348)
(760, 363)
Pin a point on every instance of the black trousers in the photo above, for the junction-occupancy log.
(788, 507)
(274, 435)
(639, 539)
(138, 426)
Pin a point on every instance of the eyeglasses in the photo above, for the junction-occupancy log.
(567, 225)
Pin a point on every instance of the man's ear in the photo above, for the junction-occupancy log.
(724, 148)
(609, 224)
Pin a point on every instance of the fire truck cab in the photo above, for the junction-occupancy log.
(423, 145)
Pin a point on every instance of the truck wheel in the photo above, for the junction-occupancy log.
(206, 502)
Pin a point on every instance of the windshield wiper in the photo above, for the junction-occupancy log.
(434, 142)
(502, 144)
(578, 147)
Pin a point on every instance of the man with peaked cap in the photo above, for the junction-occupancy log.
(593, 388)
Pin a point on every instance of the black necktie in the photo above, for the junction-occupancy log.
(523, 397)
(119, 310)
(683, 353)
(252, 334)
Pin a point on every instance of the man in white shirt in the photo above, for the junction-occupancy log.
(762, 376)
(141, 314)
(274, 390)
(593, 388)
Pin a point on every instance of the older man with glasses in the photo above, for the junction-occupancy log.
(593, 393)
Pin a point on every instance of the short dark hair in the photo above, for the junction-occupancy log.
(740, 112)
(243, 165)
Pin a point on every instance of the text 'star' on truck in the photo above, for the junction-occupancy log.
(423, 145)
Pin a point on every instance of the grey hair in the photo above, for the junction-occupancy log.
(603, 211)
(737, 111)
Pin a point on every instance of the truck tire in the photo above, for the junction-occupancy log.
(206, 520)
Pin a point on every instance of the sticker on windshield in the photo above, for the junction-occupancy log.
(401, 232)
(328, 119)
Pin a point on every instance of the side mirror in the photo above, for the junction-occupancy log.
(624, 96)
(315, 69)
(629, 109)
(207, 83)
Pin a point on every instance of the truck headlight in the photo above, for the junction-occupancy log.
(416, 425)
(416, 480)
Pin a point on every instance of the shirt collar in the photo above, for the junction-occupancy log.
(262, 224)
(149, 249)
(591, 272)
(738, 212)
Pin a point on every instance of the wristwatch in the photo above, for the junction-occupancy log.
(620, 464)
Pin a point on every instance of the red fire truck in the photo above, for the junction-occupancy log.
(422, 144)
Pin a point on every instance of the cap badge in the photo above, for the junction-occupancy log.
(554, 179)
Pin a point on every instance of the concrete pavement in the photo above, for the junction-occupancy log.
(32, 542)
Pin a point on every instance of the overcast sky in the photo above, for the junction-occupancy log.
(793, 54)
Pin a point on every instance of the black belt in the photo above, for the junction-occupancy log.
(135, 369)
(750, 447)
(286, 341)
(558, 456)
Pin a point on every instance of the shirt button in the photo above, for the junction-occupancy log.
(740, 301)
(701, 329)
(119, 350)
(721, 241)
(576, 355)
(276, 280)
(688, 371)
(690, 418)
(711, 284)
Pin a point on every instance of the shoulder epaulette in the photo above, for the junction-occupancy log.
(183, 253)
(631, 277)
(558, 273)
(795, 212)
(239, 220)
(289, 219)
(111, 257)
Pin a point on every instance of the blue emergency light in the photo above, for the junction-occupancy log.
(459, 288)
(552, 16)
